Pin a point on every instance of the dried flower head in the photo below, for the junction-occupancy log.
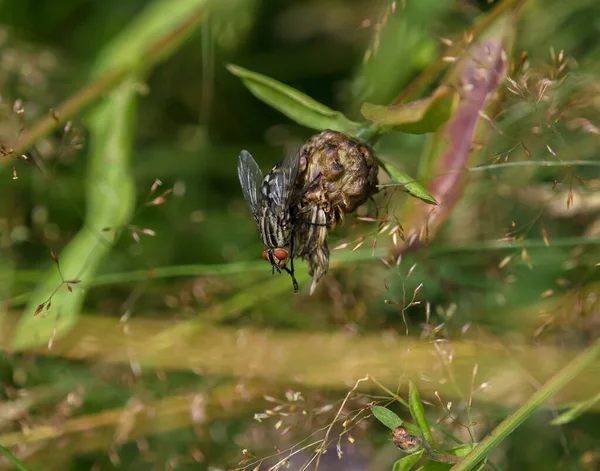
(405, 441)
(337, 174)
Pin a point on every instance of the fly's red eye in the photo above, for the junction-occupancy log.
(266, 255)
(280, 254)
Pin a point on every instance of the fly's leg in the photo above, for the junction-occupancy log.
(291, 272)
(274, 265)
(294, 282)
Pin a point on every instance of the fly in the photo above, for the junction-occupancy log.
(270, 200)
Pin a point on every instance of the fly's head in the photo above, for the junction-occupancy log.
(276, 257)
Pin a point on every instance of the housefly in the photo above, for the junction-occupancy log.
(270, 200)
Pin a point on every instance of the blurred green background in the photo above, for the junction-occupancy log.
(183, 332)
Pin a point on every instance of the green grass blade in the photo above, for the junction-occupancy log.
(417, 411)
(410, 185)
(576, 411)
(12, 459)
(508, 425)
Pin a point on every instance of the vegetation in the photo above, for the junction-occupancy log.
(457, 326)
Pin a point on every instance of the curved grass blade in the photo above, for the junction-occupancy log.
(576, 411)
(415, 406)
(10, 457)
(293, 103)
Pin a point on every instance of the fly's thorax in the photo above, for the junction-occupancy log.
(275, 230)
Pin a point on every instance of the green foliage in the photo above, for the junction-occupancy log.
(112, 132)
(576, 411)
(461, 450)
(14, 461)
(292, 103)
(407, 462)
(386, 417)
(417, 117)
(417, 412)
(410, 185)
(168, 346)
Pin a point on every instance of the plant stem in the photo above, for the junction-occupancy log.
(508, 425)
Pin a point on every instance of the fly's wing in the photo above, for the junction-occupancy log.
(284, 181)
(251, 179)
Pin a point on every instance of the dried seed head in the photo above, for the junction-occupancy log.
(405, 441)
(337, 172)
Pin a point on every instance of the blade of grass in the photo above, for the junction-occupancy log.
(536, 163)
(418, 412)
(12, 459)
(549, 390)
(362, 256)
(576, 411)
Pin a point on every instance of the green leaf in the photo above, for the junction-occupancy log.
(386, 417)
(576, 411)
(12, 459)
(411, 186)
(294, 104)
(407, 462)
(417, 117)
(418, 413)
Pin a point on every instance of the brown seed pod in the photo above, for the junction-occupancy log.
(405, 441)
(337, 173)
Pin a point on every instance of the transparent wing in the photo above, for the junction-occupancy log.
(284, 180)
(251, 179)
